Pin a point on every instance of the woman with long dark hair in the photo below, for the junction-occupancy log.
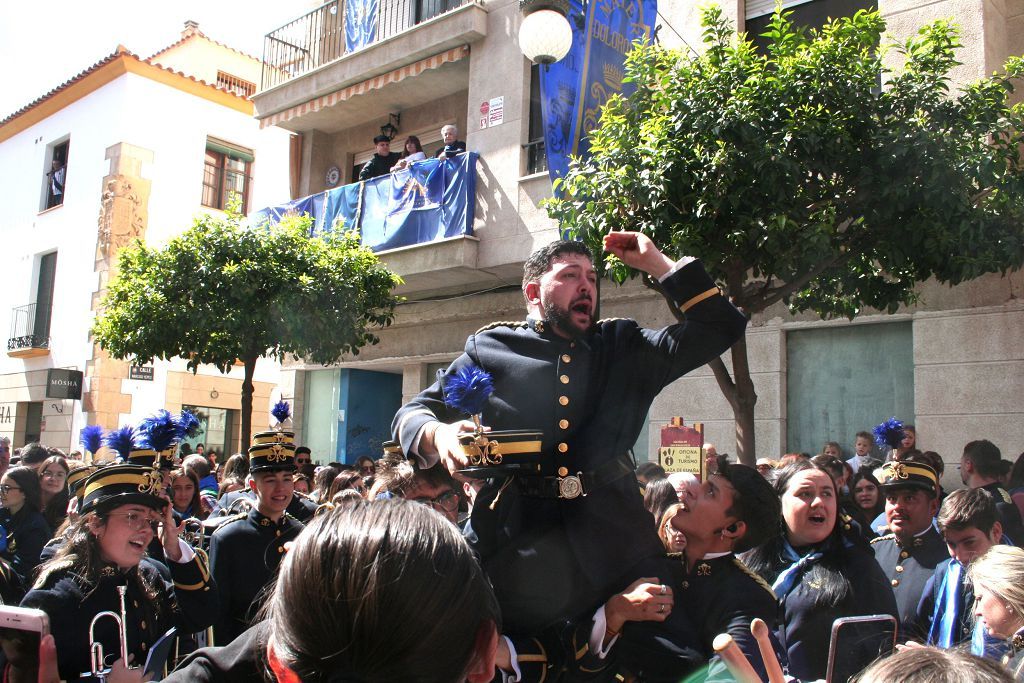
(53, 484)
(184, 485)
(103, 552)
(817, 574)
(22, 518)
(408, 602)
(868, 500)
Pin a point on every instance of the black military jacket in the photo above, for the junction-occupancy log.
(721, 595)
(590, 398)
(244, 554)
(908, 569)
(152, 606)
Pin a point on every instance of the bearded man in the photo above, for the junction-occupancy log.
(557, 544)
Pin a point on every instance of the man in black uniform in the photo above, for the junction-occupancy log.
(734, 510)
(557, 545)
(246, 549)
(382, 160)
(910, 554)
(979, 469)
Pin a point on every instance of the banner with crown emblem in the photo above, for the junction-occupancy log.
(360, 24)
(574, 89)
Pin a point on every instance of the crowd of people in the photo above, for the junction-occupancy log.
(471, 550)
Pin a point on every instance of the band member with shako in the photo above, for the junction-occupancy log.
(121, 510)
(246, 549)
(558, 544)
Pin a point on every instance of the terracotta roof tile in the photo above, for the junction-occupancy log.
(121, 51)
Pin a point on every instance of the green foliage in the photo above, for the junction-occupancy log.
(220, 292)
(796, 177)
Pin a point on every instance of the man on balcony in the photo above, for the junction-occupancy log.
(382, 160)
(452, 146)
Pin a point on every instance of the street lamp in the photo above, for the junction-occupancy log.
(545, 35)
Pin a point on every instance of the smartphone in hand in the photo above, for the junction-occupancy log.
(21, 629)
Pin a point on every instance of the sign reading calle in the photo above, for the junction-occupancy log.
(61, 383)
(141, 372)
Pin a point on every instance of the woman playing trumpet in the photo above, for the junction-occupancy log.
(120, 514)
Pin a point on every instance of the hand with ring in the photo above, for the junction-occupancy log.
(646, 599)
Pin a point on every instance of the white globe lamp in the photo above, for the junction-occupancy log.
(545, 35)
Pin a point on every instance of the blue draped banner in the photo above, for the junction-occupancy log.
(574, 89)
(430, 200)
(360, 24)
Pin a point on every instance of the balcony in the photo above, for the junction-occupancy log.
(315, 70)
(420, 221)
(30, 332)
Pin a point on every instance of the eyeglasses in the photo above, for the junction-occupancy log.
(7, 488)
(136, 521)
(302, 462)
(59, 474)
(446, 502)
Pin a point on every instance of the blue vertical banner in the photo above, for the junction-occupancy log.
(360, 23)
(574, 89)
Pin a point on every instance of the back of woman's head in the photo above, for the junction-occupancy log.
(932, 665)
(236, 466)
(1001, 572)
(659, 497)
(381, 591)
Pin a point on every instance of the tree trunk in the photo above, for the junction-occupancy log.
(245, 431)
(745, 400)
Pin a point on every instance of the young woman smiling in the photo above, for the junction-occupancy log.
(53, 482)
(817, 573)
(121, 512)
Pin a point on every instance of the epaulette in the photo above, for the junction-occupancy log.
(755, 576)
(292, 518)
(502, 323)
(231, 520)
(887, 537)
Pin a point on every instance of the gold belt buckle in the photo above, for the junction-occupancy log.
(571, 487)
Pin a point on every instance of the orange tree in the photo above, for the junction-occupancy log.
(798, 179)
(221, 292)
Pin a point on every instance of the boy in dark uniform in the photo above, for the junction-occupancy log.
(909, 555)
(246, 549)
(552, 553)
(734, 510)
(970, 526)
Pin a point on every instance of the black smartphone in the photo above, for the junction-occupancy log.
(856, 642)
(21, 629)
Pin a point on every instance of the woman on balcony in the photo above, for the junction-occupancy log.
(412, 151)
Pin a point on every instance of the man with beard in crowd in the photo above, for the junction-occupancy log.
(558, 544)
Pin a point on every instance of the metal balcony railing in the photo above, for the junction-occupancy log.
(318, 37)
(30, 328)
(536, 156)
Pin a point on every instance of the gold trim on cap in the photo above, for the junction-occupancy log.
(138, 479)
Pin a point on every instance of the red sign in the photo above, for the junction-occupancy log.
(484, 108)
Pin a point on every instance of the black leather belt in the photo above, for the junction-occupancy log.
(579, 484)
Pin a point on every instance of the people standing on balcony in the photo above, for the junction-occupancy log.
(452, 146)
(381, 161)
(411, 152)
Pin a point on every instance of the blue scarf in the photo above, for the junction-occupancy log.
(949, 604)
(788, 579)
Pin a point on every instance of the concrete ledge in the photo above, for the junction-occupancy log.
(437, 266)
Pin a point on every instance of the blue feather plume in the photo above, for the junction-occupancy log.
(889, 433)
(282, 411)
(467, 390)
(91, 438)
(120, 440)
(186, 425)
(158, 431)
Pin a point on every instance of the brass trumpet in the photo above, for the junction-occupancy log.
(194, 533)
(100, 670)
